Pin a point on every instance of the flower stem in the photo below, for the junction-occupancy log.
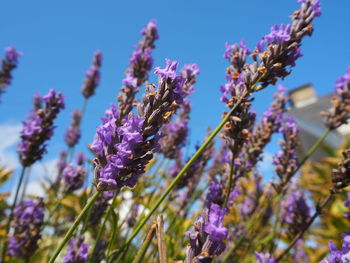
(100, 231)
(313, 149)
(180, 174)
(230, 182)
(73, 227)
(8, 224)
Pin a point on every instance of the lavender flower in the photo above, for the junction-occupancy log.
(39, 129)
(206, 239)
(177, 130)
(140, 62)
(295, 212)
(264, 257)
(123, 152)
(28, 219)
(340, 111)
(8, 63)
(340, 175)
(283, 49)
(78, 251)
(73, 177)
(286, 160)
(92, 76)
(342, 255)
(73, 133)
(269, 124)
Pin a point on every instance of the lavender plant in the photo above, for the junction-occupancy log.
(216, 204)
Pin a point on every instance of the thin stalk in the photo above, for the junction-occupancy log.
(312, 150)
(230, 182)
(145, 244)
(86, 220)
(114, 233)
(182, 172)
(26, 182)
(100, 231)
(312, 219)
(73, 227)
(8, 224)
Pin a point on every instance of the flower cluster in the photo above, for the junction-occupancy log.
(340, 111)
(122, 152)
(286, 160)
(39, 128)
(140, 62)
(206, 239)
(73, 177)
(295, 212)
(177, 130)
(264, 258)
(8, 63)
(73, 133)
(340, 175)
(28, 219)
(269, 124)
(78, 251)
(92, 76)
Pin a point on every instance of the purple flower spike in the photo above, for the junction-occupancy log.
(295, 212)
(73, 133)
(27, 223)
(92, 76)
(8, 63)
(286, 160)
(339, 114)
(140, 62)
(39, 128)
(78, 251)
(73, 177)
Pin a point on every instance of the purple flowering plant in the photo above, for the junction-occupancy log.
(137, 195)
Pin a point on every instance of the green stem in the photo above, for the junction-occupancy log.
(73, 227)
(86, 220)
(100, 231)
(230, 181)
(313, 149)
(182, 172)
(8, 224)
(114, 233)
(24, 190)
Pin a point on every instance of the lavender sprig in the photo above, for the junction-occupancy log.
(8, 64)
(286, 160)
(206, 239)
(39, 128)
(73, 177)
(340, 111)
(177, 130)
(28, 219)
(73, 133)
(92, 76)
(140, 63)
(123, 152)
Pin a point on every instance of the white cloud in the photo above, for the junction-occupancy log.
(9, 134)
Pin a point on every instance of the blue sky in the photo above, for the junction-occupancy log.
(58, 39)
